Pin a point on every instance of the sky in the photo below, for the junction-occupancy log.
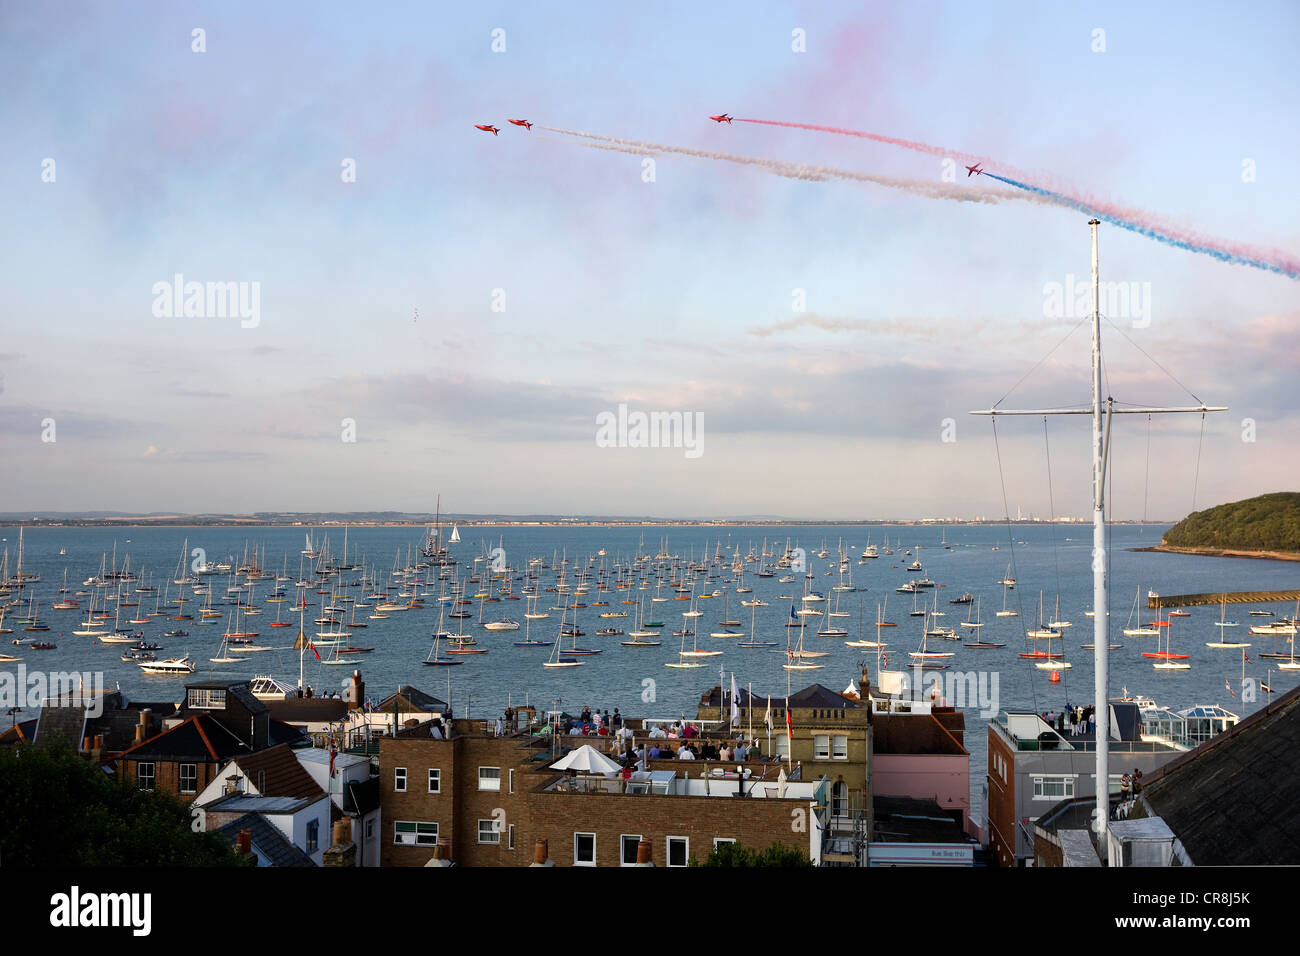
(443, 311)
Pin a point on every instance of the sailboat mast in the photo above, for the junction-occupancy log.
(1101, 624)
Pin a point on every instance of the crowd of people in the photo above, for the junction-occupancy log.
(1077, 718)
(680, 740)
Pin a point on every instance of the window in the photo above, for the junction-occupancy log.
(415, 834)
(628, 844)
(821, 746)
(144, 776)
(511, 844)
(781, 746)
(489, 778)
(399, 779)
(488, 831)
(721, 840)
(584, 849)
(204, 699)
(370, 829)
(189, 777)
(679, 850)
(512, 781)
(435, 781)
(840, 747)
(1053, 788)
(313, 836)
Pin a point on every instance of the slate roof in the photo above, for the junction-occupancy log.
(1232, 801)
(818, 695)
(61, 720)
(278, 732)
(912, 734)
(276, 772)
(21, 732)
(914, 820)
(198, 739)
(308, 710)
(413, 699)
(268, 842)
(361, 797)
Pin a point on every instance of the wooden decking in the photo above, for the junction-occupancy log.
(1231, 597)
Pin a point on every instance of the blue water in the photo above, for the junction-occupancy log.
(1053, 559)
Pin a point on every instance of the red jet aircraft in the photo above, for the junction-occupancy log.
(522, 123)
(724, 118)
(487, 129)
(974, 169)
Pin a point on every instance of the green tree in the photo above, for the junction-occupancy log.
(1264, 523)
(737, 854)
(63, 811)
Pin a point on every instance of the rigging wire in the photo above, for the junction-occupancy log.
(1006, 510)
(1153, 361)
(1196, 476)
(1039, 363)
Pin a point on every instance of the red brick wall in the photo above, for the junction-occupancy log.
(556, 817)
(167, 776)
(1001, 803)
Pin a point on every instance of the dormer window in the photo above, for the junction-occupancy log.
(203, 698)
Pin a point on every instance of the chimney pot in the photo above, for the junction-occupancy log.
(541, 847)
(643, 853)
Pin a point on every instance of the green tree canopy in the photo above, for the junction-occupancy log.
(1266, 523)
(737, 854)
(63, 811)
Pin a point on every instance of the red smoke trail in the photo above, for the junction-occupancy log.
(1145, 223)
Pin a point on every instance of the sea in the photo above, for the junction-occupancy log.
(1054, 561)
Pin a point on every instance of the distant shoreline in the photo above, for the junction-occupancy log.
(1226, 553)
(231, 522)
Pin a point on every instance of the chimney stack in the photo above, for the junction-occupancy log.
(142, 728)
(540, 853)
(442, 854)
(342, 852)
(643, 853)
(357, 691)
(245, 842)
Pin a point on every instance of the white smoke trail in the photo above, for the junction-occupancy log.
(804, 171)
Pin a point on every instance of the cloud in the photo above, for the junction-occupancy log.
(918, 330)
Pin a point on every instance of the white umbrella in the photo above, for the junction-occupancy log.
(587, 759)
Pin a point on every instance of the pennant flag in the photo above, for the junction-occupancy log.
(1228, 684)
(789, 724)
(312, 647)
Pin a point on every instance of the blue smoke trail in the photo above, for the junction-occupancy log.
(1151, 233)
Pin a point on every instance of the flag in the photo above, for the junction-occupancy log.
(312, 645)
(735, 705)
(1247, 657)
(789, 724)
(334, 752)
(767, 717)
(1228, 684)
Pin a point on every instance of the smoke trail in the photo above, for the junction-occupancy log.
(1141, 222)
(1288, 269)
(802, 171)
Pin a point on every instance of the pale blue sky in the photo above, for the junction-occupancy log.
(225, 165)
